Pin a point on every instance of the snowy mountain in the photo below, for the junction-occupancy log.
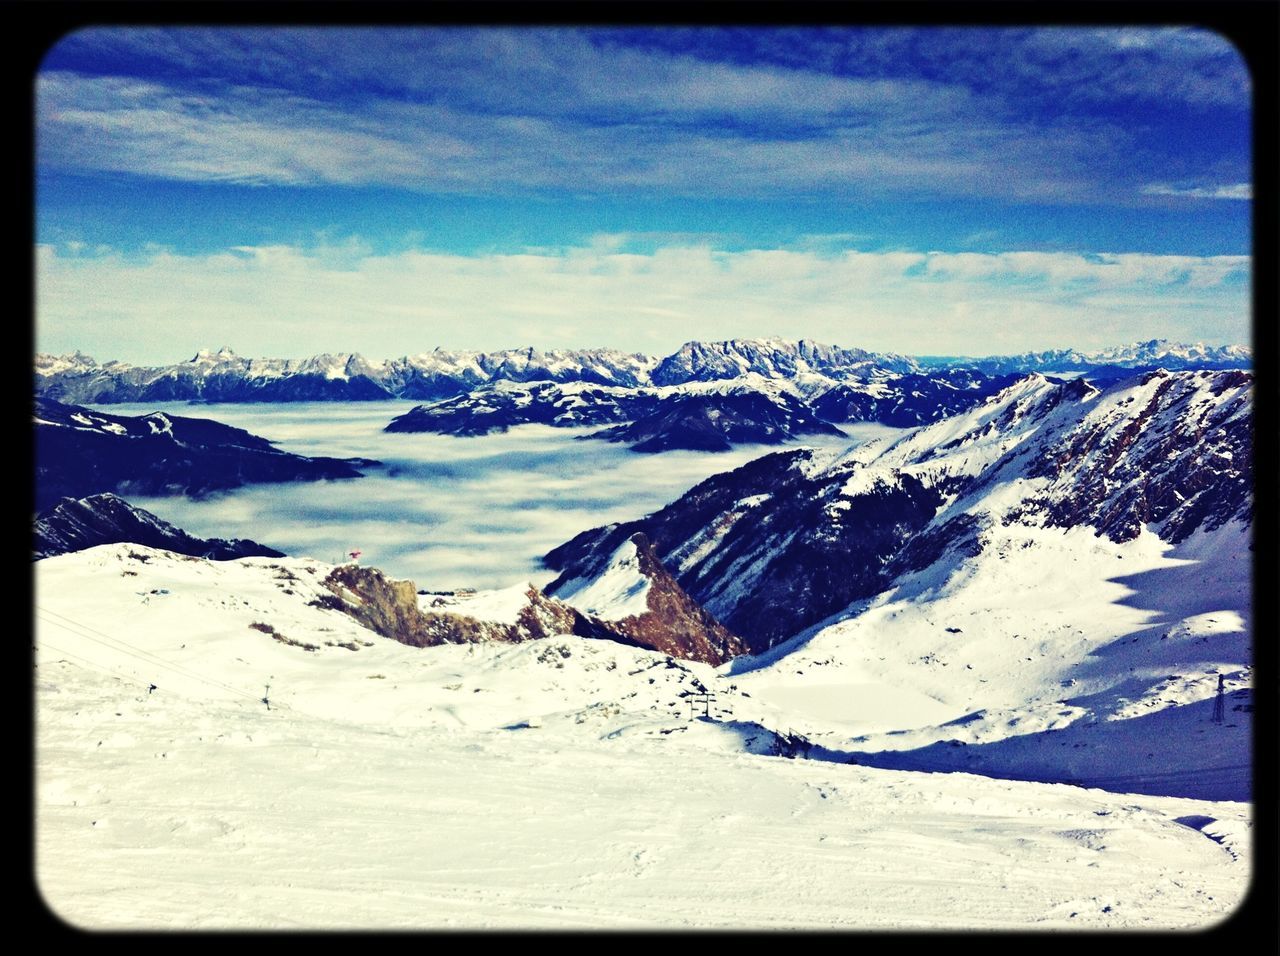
(790, 538)
(80, 452)
(775, 358)
(702, 416)
(1146, 356)
(712, 415)
(909, 400)
(717, 420)
(223, 376)
(76, 525)
(1048, 587)
(495, 408)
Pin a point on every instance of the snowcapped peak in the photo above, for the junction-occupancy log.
(210, 356)
(46, 364)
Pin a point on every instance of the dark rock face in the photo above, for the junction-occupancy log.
(80, 452)
(74, 525)
(717, 422)
(910, 399)
(391, 609)
(1179, 456)
(672, 621)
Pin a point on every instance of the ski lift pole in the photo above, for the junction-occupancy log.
(266, 695)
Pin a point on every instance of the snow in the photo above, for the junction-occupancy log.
(502, 605)
(555, 784)
(1015, 720)
(1048, 645)
(619, 592)
(160, 424)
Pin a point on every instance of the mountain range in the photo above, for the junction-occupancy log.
(223, 376)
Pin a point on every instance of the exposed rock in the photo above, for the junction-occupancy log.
(670, 620)
(673, 623)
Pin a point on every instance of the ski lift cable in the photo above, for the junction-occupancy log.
(116, 644)
(95, 666)
(87, 630)
(281, 707)
(147, 657)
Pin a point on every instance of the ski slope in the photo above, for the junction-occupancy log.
(555, 784)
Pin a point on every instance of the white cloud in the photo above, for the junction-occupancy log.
(643, 122)
(445, 512)
(289, 301)
(1232, 191)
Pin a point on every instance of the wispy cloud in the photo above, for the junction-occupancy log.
(285, 300)
(1233, 191)
(483, 111)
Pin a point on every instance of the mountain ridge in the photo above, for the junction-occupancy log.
(224, 376)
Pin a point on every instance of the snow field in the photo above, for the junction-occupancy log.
(550, 784)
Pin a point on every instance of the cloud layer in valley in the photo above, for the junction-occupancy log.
(446, 512)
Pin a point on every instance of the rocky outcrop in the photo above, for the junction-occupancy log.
(648, 607)
(391, 608)
(74, 525)
(672, 623)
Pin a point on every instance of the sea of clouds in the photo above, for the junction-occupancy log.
(445, 512)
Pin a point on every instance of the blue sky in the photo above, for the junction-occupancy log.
(922, 190)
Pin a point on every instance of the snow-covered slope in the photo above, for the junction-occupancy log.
(558, 783)
(783, 542)
(1048, 586)
(1049, 655)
